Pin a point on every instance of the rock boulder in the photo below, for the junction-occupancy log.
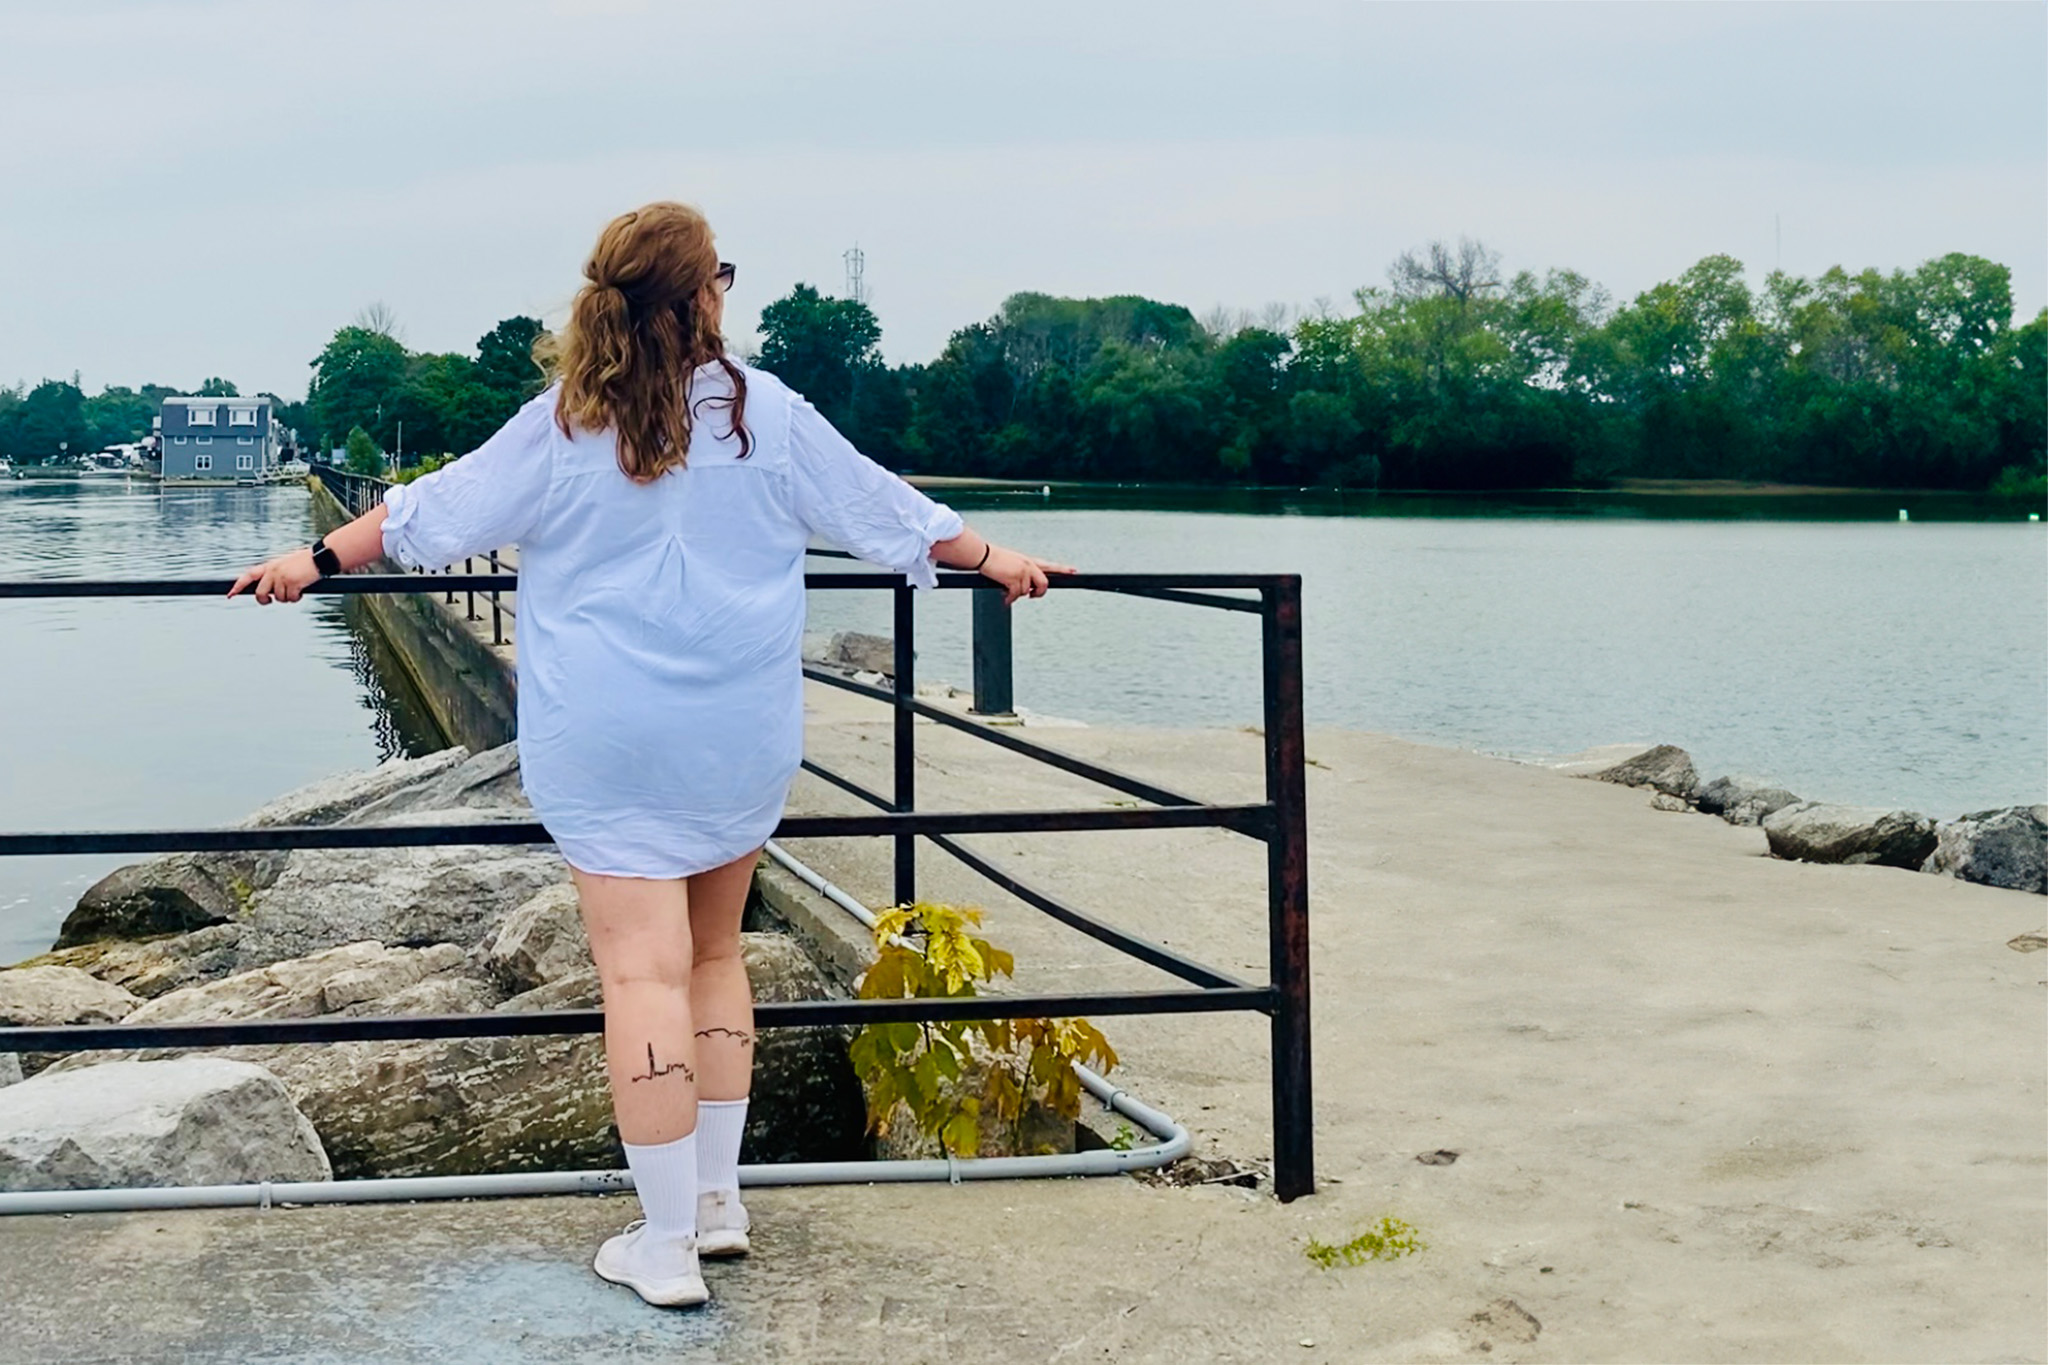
(862, 653)
(183, 891)
(153, 966)
(192, 1121)
(2007, 847)
(414, 896)
(1815, 832)
(1666, 768)
(485, 781)
(1743, 800)
(540, 941)
(41, 997)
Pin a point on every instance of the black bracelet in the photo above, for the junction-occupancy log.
(987, 547)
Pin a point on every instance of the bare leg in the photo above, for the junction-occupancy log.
(721, 1000)
(640, 940)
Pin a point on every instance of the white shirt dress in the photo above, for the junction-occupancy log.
(660, 705)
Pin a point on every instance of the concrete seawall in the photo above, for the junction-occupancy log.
(467, 683)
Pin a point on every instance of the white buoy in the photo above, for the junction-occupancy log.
(1046, 491)
(2033, 516)
(1902, 515)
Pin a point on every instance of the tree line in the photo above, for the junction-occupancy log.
(1455, 376)
(1452, 375)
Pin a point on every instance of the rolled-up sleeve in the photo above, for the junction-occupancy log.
(845, 498)
(492, 497)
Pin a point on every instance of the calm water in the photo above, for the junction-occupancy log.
(139, 712)
(1851, 658)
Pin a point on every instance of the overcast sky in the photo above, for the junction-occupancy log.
(212, 188)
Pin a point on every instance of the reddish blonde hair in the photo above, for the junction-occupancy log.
(636, 334)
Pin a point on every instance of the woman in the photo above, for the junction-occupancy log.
(661, 496)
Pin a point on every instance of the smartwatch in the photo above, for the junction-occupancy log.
(324, 559)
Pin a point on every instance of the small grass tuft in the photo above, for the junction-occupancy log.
(1387, 1240)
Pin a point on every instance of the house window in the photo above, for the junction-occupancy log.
(245, 440)
(177, 440)
(203, 440)
(202, 461)
(245, 461)
(241, 417)
(199, 417)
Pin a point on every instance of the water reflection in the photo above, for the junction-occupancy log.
(140, 712)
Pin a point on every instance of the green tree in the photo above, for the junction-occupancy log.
(505, 363)
(218, 388)
(50, 420)
(823, 348)
(357, 381)
(363, 455)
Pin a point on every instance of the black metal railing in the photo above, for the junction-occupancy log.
(1279, 821)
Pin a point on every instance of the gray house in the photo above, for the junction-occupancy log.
(218, 440)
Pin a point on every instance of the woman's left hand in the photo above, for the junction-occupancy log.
(284, 579)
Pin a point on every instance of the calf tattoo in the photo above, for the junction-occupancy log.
(740, 1036)
(653, 1070)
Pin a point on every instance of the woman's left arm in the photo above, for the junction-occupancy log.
(286, 578)
(855, 503)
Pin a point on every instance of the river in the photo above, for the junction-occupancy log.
(1817, 642)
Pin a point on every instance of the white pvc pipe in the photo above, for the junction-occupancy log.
(1173, 1144)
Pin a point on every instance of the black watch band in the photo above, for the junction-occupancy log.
(324, 559)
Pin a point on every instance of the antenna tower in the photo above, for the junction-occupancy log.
(856, 274)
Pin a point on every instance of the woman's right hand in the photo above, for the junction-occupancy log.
(1019, 574)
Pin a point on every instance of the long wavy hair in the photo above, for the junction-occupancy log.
(636, 335)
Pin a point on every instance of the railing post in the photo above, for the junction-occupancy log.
(469, 567)
(906, 741)
(497, 619)
(994, 692)
(1294, 1164)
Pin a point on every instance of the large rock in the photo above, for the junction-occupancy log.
(1815, 832)
(183, 891)
(153, 966)
(451, 893)
(38, 997)
(485, 781)
(469, 1105)
(541, 941)
(41, 997)
(863, 653)
(1743, 800)
(10, 1069)
(2007, 847)
(343, 980)
(165, 895)
(1666, 768)
(192, 1121)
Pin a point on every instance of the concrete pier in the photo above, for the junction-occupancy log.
(1704, 1105)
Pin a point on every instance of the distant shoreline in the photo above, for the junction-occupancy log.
(1648, 487)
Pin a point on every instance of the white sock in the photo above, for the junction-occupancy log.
(665, 1178)
(721, 1124)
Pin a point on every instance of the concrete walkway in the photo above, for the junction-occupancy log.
(1705, 1106)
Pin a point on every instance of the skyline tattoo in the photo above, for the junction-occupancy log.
(740, 1036)
(654, 1071)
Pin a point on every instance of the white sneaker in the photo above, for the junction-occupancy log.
(722, 1224)
(663, 1272)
